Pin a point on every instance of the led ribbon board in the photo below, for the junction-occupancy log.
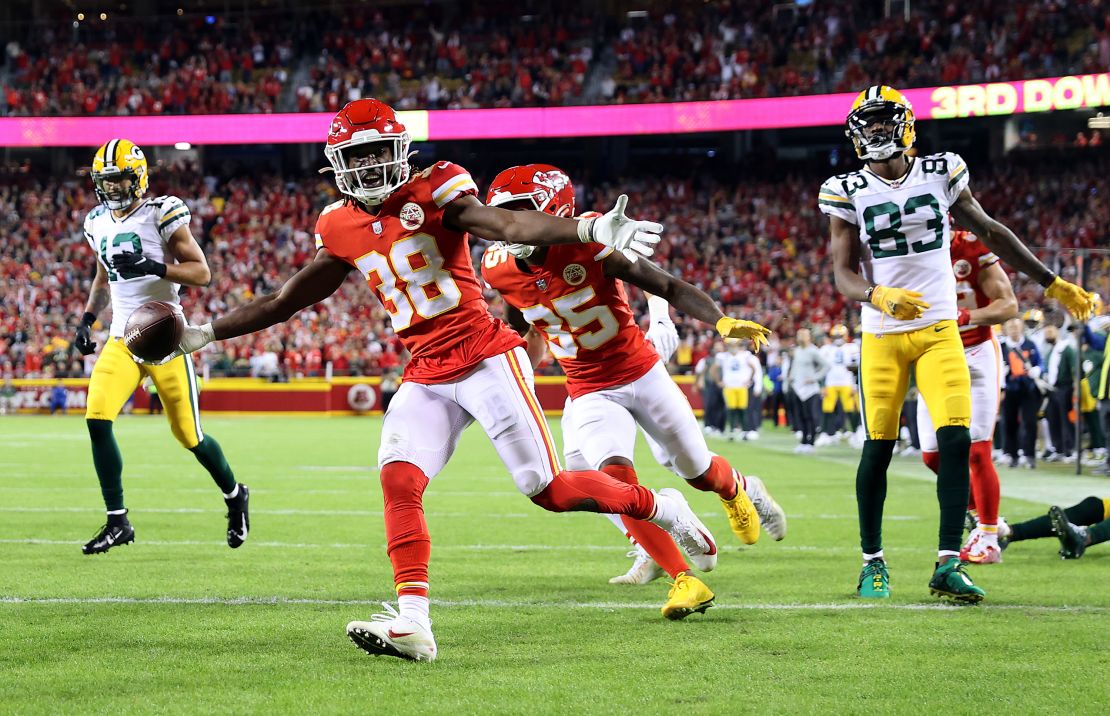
(959, 101)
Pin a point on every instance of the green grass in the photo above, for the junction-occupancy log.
(526, 623)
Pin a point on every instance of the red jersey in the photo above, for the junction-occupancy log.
(421, 272)
(582, 313)
(969, 257)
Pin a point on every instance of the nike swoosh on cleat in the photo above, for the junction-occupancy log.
(395, 635)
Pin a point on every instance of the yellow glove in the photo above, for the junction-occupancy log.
(898, 303)
(737, 328)
(1079, 303)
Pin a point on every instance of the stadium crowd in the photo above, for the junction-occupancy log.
(455, 55)
(757, 246)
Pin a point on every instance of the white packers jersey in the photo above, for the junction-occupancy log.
(145, 230)
(904, 232)
(736, 369)
(840, 359)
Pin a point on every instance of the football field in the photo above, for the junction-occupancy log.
(524, 617)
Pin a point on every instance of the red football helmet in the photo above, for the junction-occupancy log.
(547, 188)
(362, 173)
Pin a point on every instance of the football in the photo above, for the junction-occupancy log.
(154, 330)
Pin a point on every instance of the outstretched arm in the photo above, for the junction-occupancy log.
(315, 282)
(685, 297)
(632, 238)
(999, 239)
(647, 276)
(534, 228)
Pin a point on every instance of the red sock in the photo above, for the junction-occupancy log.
(984, 482)
(406, 533)
(931, 460)
(655, 541)
(593, 491)
(719, 478)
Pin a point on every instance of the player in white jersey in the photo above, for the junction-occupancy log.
(890, 243)
(840, 382)
(741, 374)
(144, 250)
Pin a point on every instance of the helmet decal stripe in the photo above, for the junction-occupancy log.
(110, 153)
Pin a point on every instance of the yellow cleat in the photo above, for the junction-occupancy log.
(688, 595)
(742, 516)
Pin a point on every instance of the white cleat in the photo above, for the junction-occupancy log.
(643, 570)
(391, 634)
(691, 536)
(771, 515)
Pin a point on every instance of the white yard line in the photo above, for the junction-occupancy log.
(524, 604)
(616, 547)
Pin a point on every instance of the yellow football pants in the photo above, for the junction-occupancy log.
(736, 398)
(116, 375)
(845, 394)
(942, 377)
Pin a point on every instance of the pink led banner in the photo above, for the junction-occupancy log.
(1000, 98)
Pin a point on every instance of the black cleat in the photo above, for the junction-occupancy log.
(238, 519)
(117, 531)
(1073, 539)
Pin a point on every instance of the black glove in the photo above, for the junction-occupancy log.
(131, 264)
(83, 341)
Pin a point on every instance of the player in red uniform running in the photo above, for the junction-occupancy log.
(407, 237)
(984, 298)
(573, 295)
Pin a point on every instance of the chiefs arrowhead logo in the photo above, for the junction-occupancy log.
(412, 216)
(338, 129)
(962, 268)
(574, 274)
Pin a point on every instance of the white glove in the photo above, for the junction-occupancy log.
(520, 251)
(662, 333)
(193, 338)
(631, 237)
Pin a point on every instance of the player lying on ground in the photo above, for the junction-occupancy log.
(1077, 527)
(890, 236)
(573, 296)
(985, 298)
(408, 238)
(144, 250)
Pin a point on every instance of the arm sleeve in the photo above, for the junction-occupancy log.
(958, 176)
(449, 181)
(832, 200)
(172, 216)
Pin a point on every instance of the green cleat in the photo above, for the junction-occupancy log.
(1073, 538)
(874, 580)
(951, 581)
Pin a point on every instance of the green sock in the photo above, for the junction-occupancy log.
(953, 484)
(1088, 512)
(827, 423)
(853, 420)
(1035, 528)
(871, 492)
(210, 455)
(1100, 532)
(108, 463)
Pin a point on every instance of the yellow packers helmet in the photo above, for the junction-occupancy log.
(115, 160)
(881, 104)
(839, 331)
(1033, 318)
